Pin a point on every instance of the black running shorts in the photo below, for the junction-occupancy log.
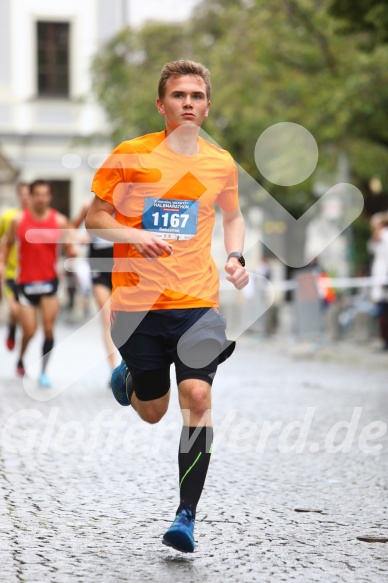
(193, 339)
(101, 259)
(11, 288)
(30, 294)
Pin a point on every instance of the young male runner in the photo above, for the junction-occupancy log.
(8, 271)
(37, 280)
(162, 189)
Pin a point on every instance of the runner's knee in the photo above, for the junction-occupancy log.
(28, 332)
(194, 395)
(150, 413)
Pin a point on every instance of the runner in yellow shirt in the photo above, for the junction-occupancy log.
(8, 271)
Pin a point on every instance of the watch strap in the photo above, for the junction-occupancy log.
(238, 256)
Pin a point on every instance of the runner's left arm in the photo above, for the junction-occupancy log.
(68, 246)
(77, 221)
(233, 223)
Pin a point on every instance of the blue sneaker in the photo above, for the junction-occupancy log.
(121, 384)
(180, 535)
(44, 381)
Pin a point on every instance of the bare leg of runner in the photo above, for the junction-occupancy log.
(151, 411)
(102, 295)
(49, 306)
(12, 319)
(28, 321)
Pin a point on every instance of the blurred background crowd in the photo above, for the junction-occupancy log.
(76, 78)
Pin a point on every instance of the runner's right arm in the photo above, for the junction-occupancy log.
(2, 246)
(100, 222)
(6, 246)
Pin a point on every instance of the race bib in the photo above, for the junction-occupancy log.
(170, 219)
(40, 287)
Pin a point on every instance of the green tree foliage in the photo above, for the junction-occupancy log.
(363, 16)
(283, 60)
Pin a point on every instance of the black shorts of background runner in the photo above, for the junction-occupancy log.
(11, 286)
(103, 277)
(30, 294)
(193, 339)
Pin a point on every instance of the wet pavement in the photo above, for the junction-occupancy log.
(298, 475)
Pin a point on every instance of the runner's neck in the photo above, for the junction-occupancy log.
(40, 216)
(184, 140)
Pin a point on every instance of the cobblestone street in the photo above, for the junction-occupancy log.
(87, 490)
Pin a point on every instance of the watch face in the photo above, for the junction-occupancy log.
(242, 260)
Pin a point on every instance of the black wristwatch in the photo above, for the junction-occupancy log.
(239, 256)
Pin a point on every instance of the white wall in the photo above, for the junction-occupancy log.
(33, 114)
(36, 132)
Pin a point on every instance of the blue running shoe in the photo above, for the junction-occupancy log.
(121, 384)
(44, 381)
(180, 535)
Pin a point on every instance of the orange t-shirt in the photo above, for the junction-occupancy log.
(172, 196)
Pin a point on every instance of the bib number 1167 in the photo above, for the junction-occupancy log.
(174, 220)
(171, 219)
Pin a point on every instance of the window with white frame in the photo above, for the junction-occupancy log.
(53, 58)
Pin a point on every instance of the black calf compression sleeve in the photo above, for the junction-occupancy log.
(193, 459)
(47, 347)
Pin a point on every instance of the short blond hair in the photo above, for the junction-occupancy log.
(183, 67)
